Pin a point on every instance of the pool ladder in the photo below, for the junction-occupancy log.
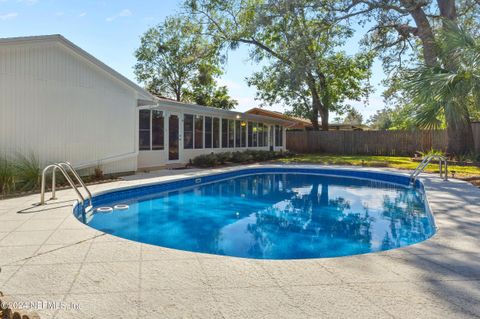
(442, 162)
(64, 167)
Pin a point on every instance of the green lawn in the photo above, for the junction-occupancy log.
(379, 161)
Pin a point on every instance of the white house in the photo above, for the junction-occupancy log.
(60, 103)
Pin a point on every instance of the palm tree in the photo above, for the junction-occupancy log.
(448, 89)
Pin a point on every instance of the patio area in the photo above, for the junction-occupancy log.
(47, 255)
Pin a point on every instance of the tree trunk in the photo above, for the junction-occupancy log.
(447, 9)
(316, 103)
(460, 135)
(314, 120)
(324, 116)
(425, 33)
(459, 127)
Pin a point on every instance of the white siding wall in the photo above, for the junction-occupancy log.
(61, 107)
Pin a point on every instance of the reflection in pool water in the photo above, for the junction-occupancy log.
(276, 216)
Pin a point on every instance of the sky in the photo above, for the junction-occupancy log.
(111, 30)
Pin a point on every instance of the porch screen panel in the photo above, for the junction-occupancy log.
(244, 134)
(216, 132)
(188, 131)
(278, 135)
(231, 133)
(265, 135)
(224, 133)
(260, 134)
(238, 134)
(281, 135)
(250, 134)
(198, 131)
(208, 132)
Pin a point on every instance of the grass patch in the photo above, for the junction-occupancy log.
(398, 162)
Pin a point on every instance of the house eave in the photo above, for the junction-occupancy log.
(221, 112)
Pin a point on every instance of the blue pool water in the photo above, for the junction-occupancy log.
(271, 215)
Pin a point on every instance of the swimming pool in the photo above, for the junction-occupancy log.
(271, 213)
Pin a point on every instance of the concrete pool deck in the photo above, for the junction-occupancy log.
(47, 255)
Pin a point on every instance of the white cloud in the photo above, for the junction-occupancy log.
(8, 16)
(121, 14)
(125, 13)
(82, 14)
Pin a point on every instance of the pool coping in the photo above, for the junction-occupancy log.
(420, 270)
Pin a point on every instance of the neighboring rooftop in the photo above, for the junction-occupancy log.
(304, 124)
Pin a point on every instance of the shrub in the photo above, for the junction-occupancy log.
(265, 155)
(432, 152)
(285, 154)
(224, 157)
(27, 172)
(207, 160)
(470, 157)
(241, 157)
(213, 159)
(7, 176)
(98, 174)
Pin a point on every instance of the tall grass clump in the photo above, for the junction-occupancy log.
(7, 176)
(27, 172)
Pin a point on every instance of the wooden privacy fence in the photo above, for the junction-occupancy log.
(372, 142)
(476, 135)
(365, 142)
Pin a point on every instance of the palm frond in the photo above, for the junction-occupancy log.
(446, 87)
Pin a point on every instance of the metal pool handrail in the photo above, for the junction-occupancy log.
(421, 167)
(60, 166)
(74, 172)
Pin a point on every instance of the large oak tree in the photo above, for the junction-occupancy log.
(298, 46)
(406, 32)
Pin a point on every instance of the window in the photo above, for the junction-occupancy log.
(281, 136)
(144, 130)
(260, 134)
(188, 131)
(198, 131)
(208, 132)
(278, 135)
(151, 130)
(244, 134)
(216, 132)
(250, 134)
(255, 132)
(265, 135)
(238, 135)
(157, 130)
(224, 133)
(231, 133)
